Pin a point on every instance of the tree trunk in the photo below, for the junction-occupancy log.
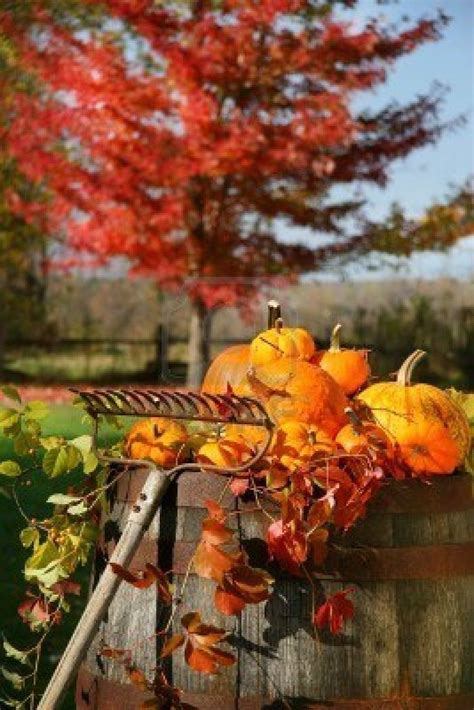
(199, 343)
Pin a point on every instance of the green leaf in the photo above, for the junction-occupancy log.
(30, 536)
(24, 443)
(74, 457)
(51, 442)
(5, 492)
(7, 702)
(56, 462)
(44, 566)
(8, 417)
(83, 443)
(63, 499)
(15, 653)
(78, 509)
(36, 409)
(10, 469)
(11, 393)
(90, 462)
(17, 681)
(13, 429)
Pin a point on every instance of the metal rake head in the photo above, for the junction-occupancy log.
(203, 407)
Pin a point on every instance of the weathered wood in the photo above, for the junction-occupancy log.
(409, 646)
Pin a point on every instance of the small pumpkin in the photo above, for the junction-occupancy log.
(161, 440)
(225, 451)
(296, 390)
(228, 368)
(427, 447)
(360, 436)
(397, 406)
(278, 342)
(297, 443)
(350, 368)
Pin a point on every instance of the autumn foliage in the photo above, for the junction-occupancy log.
(178, 140)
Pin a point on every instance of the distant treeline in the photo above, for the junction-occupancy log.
(107, 330)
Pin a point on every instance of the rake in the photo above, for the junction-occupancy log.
(210, 408)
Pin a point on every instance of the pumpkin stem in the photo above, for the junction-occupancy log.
(279, 324)
(274, 312)
(406, 370)
(335, 346)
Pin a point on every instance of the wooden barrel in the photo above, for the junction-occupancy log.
(409, 647)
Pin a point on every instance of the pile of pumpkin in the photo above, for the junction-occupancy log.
(323, 406)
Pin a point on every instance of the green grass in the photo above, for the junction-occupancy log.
(64, 421)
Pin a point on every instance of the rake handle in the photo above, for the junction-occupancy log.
(139, 520)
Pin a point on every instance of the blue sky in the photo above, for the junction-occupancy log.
(427, 174)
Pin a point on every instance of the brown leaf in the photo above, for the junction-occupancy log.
(137, 678)
(171, 645)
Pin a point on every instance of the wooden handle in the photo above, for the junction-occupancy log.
(138, 521)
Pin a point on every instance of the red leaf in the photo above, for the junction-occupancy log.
(239, 486)
(210, 562)
(335, 611)
(149, 576)
(200, 660)
(228, 603)
(216, 512)
(207, 660)
(288, 546)
(66, 587)
(215, 532)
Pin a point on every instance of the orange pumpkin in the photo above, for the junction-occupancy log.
(225, 451)
(228, 368)
(276, 343)
(359, 437)
(350, 368)
(297, 443)
(428, 447)
(296, 390)
(398, 406)
(161, 440)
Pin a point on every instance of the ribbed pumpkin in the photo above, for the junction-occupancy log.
(163, 441)
(297, 443)
(350, 368)
(397, 406)
(278, 342)
(427, 447)
(228, 368)
(296, 390)
(225, 451)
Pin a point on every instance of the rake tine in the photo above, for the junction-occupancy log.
(202, 402)
(150, 399)
(189, 400)
(135, 396)
(121, 396)
(111, 404)
(176, 398)
(161, 400)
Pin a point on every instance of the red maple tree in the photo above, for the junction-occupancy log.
(176, 135)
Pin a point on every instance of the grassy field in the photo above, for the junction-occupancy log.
(65, 421)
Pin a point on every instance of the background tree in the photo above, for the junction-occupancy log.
(178, 135)
(22, 243)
